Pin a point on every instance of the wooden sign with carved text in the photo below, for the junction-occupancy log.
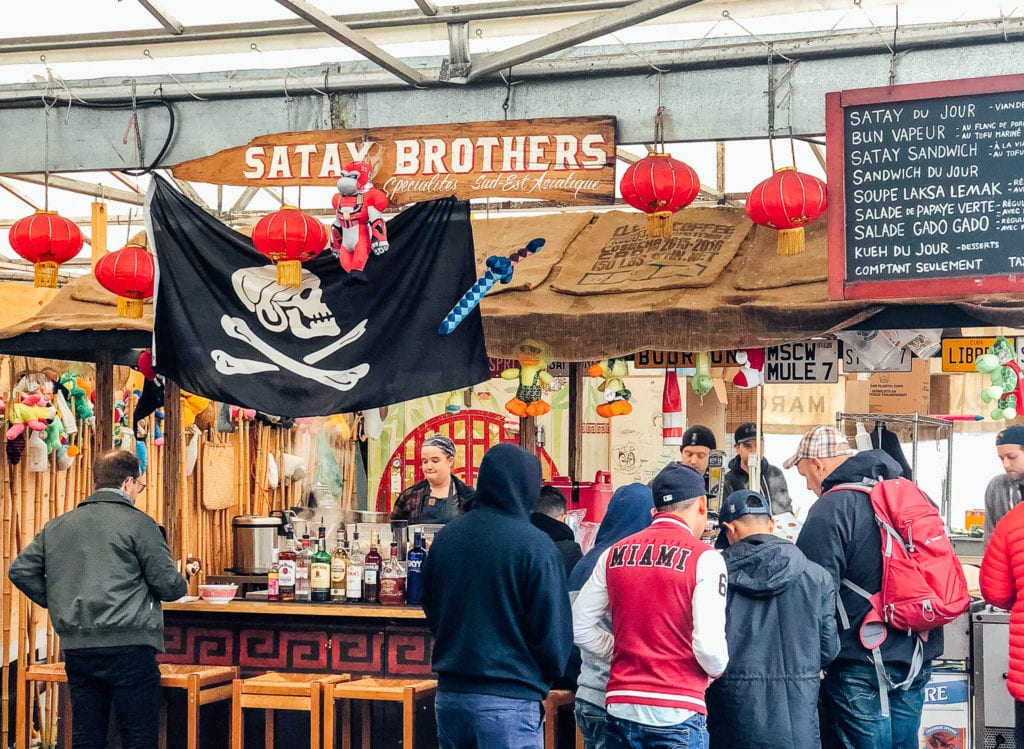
(570, 160)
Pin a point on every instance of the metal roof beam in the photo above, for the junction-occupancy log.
(82, 188)
(354, 40)
(166, 20)
(502, 9)
(427, 7)
(608, 23)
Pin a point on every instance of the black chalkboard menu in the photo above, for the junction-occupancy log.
(926, 189)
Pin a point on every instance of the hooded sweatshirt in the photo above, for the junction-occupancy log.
(779, 604)
(842, 536)
(629, 511)
(494, 589)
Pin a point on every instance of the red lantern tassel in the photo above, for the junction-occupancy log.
(130, 308)
(791, 241)
(659, 224)
(289, 272)
(45, 276)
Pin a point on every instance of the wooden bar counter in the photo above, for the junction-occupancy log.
(260, 636)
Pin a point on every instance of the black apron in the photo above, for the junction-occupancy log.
(440, 510)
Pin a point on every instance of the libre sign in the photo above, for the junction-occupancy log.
(561, 159)
(959, 354)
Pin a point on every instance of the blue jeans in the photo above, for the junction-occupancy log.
(483, 721)
(592, 722)
(625, 734)
(849, 695)
(127, 677)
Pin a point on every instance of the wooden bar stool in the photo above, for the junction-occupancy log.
(280, 691)
(203, 685)
(43, 672)
(556, 699)
(407, 691)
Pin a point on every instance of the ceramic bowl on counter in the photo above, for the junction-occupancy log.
(217, 593)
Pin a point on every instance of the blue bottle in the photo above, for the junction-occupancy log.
(414, 571)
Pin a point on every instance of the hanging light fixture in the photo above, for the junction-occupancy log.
(787, 201)
(129, 273)
(658, 184)
(46, 240)
(289, 237)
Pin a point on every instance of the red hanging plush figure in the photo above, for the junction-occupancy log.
(358, 225)
(751, 361)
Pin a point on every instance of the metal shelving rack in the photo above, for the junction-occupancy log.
(916, 421)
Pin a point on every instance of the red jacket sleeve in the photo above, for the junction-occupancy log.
(997, 581)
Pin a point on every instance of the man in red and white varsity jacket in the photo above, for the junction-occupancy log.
(666, 592)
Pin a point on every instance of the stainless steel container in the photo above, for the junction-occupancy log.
(255, 537)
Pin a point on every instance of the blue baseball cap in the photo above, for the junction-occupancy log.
(736, 505)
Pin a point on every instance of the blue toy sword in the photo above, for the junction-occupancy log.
(498, 269)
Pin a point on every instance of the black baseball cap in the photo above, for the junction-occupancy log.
(736, 505)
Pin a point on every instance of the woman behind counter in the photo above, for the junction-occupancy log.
(440, 496)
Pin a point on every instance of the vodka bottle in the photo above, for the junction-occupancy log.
(302, 564)
(354, 576)
(414, 574)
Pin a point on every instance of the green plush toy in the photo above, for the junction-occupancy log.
(1000, 364)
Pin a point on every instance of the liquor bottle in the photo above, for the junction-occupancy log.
(354, 576)
(371, 571)
(274, 578)
(392, 580)
(302, 561)
(286, 569)
(320, 572)
(414, 575)
(339, 567)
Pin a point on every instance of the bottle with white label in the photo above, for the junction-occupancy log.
(302, 566)
(354, 575)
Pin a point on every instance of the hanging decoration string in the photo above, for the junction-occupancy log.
(878, 32)
(771, 106)
(659, 117)
(509, 83)
(159, 91)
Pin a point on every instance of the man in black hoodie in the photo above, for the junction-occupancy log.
(549, 516)
(842, 536)
(495, 598)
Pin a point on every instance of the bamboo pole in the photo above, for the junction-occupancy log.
(7, 606)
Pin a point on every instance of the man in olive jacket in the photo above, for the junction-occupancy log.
(101, 570)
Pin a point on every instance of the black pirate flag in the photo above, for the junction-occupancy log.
(225, 329)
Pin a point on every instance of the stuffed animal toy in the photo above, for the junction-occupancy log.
(33, 411)
(533, 358)
(338, 426)
(79, 395)
(615, 393)
(751, 361)
(701, 382)
(191, 407)
(359, 224)
(158, 427)
(1000, 364)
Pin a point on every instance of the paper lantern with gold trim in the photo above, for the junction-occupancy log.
(289, 237)
(46, 240)
(787, 201)
(659, 185)
(129, 273)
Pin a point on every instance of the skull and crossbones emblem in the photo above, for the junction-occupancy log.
(302, 312)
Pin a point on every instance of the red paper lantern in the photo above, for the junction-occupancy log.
(659, 186)
(129, 273)
(289, 237)
(46, 240)
(787, 201)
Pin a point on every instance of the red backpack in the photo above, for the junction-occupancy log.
(923, 584)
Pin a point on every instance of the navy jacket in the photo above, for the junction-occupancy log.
(494, 589)
(842, 536)
(781, 630)
(773, 484)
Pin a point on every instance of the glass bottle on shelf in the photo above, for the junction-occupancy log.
(302, 561)
(392, 580)
(286, 569)
(371, 571)
(320, 571)
(339, 567)
(354, 576)
(274, 578)
(414, 573)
